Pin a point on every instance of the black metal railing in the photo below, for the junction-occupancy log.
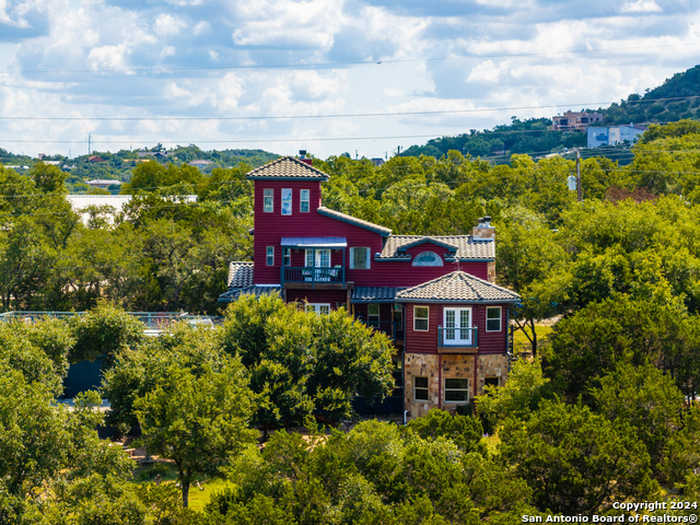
(463, 337)
(313, 274)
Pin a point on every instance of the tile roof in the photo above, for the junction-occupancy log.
(373, 294)
(287, 168)
(240, 273)
(353, 220)
(468, 247)
(232, 294)
(457, 286)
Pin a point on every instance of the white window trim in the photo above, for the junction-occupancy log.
(367, 259)
(267, 255)
(271, 193)
(444, 390)
(426, 388)
(427, 329)
(457, 325)
(291, 201)
(316, 307)
(287, 257)
(500, 319)
(306, 200)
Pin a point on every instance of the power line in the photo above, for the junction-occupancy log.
(336, 115)
(166, 68)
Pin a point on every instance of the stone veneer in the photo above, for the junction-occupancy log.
(459, 366)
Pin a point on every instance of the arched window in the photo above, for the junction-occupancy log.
(427, 259)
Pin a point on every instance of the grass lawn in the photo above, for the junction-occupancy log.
(166, 472)
(522, 343)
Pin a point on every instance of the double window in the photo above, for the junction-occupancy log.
(304, 201)
(319, 308)
(456, 390)
(420, 318)
(359, 258)
(268, 200)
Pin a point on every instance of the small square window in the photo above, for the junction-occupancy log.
(420, 318)
(304, 200)
(268, 200)
(456, 390)
(493, 319)
(270, 256)
(420, 389)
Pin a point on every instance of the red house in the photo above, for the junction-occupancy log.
(433, 294)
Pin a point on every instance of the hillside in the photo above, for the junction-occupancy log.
(118, 166)
(536, 135)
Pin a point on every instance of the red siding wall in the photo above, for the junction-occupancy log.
(426, 342)
(271, 227)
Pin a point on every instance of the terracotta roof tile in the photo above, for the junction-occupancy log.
(240, 273)
(287, 168)
(457, 286)
(468, 247)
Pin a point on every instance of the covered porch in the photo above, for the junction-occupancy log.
(313, 260)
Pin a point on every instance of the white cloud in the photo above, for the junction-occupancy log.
(641, 6)
(167, 25)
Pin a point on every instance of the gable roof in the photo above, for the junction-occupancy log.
(468, 248)
(240, 274)
(452, 248)
(286, 168)
(327, 212)
(457, 287)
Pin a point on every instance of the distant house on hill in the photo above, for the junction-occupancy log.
(613, 135)
(575, 121)
(95, 158)
(103, 183)
(200, 163)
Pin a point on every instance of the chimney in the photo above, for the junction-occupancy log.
(484, 230)
(302, 157)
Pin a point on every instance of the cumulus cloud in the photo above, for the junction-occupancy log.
(308, 57)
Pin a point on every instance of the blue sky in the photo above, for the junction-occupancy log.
(152, 61)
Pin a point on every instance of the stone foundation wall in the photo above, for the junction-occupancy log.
(458, 366)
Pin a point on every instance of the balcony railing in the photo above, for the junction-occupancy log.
(466, 337)
(313, 274)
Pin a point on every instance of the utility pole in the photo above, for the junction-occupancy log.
(579, 189)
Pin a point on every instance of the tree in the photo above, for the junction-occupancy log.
(646, 399)
(303, 364)
(527, 253)
(576, 461)
(198, 421)
(104, 331)
(464, 431)
(521, 394)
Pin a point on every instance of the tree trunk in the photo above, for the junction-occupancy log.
(185, 488)
(533, 341)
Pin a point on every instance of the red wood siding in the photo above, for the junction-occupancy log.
(334, 297)
(426, 342)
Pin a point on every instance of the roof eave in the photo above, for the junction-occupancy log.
(456, 301)
(268, 177)
(384, 232)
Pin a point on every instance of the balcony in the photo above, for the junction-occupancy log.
(465, 339)
(313, 275)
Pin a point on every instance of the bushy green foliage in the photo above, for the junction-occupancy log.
(463, 431)
(576, 461)
(303, 364)
(372, 474)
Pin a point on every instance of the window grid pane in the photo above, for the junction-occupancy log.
(268, 200)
